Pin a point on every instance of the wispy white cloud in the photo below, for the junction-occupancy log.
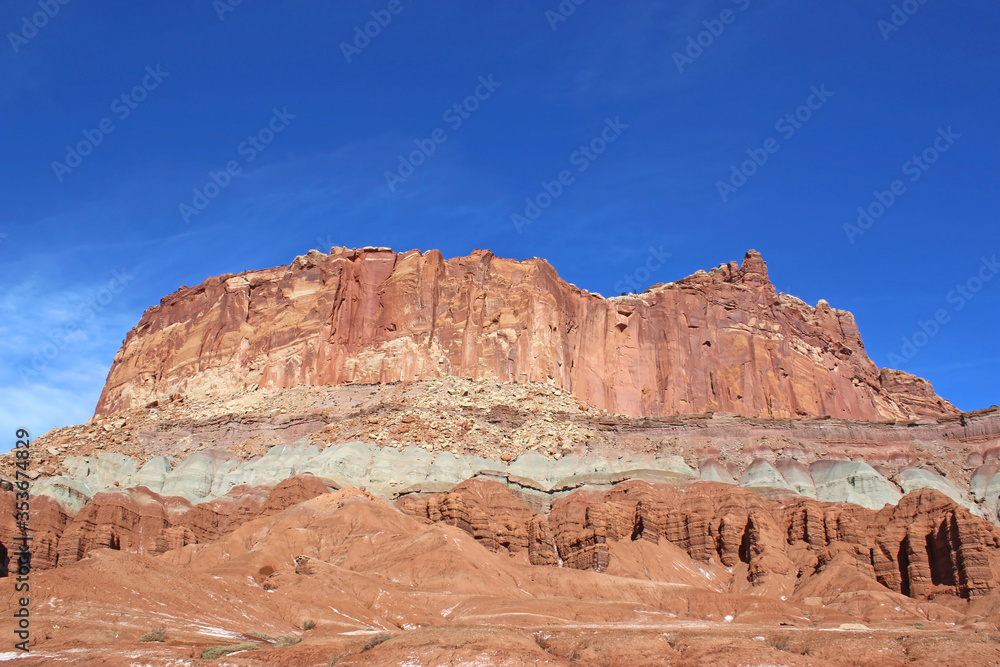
(59, 331)
(56, 345)
(42, 407)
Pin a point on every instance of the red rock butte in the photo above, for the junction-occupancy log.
(717, 341)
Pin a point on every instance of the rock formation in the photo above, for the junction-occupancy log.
(403, 459)
(709, 574)
(720, 341)
(390, 471)
(924, 546)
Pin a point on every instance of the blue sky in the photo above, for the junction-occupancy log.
(643, 109)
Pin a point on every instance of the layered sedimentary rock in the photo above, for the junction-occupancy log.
(385, 471)
(367, 441)
(140, 521)
(361, 583)
(718, 341)
(47, 522)
(924, 546)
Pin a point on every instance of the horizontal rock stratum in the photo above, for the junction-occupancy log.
(376, 458)
(718, 341)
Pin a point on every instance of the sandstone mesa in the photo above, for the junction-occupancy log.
(376, 458)
(722, 341)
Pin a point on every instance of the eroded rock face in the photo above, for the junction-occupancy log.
(140, 521)
(718, 341)
(384, 471)
(48, 520)
(924, 546)
(357, 567)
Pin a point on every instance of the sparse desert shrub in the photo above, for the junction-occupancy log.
(219, 651)
(157, 635)
(280, 641)
(375, 640)
(308, 624)
(919, 626)
(780, 643)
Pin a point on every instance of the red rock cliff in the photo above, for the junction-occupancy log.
(717, 341)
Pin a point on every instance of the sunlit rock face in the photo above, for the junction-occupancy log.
(720, 341)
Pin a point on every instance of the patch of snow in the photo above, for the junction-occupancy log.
(217, 632)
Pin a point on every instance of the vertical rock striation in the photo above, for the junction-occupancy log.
(924, 546)
(722, 340)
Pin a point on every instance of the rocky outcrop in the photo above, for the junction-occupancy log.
(491, 514)
(375, 586)
(788, 518)
(642, 555)
(720, 341)
(919, 393)
(114, 521)
(141, 521)
(924, 546)
(47, 521)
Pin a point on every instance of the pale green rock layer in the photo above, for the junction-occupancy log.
(388, 472)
